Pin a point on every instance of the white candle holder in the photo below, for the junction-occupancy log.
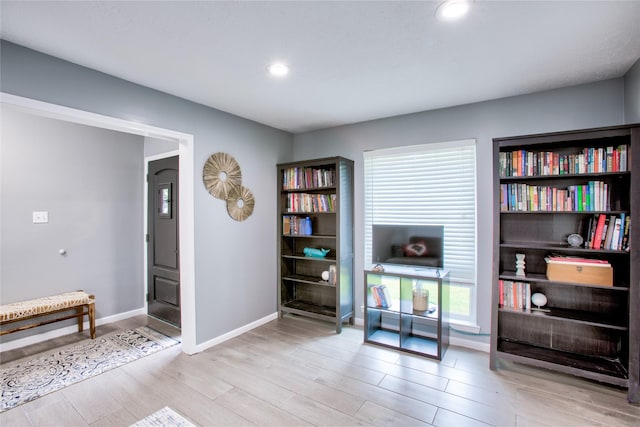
(520, 265)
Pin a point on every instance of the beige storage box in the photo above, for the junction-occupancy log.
(583, 273)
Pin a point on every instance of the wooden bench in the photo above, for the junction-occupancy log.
(80, 302)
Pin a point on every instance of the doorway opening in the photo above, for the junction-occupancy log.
(185, 186)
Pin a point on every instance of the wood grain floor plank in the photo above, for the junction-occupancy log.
(320, 362)
(256, 387)
(385, 365)
(257, 411)
(92, 400)
(121, 417)
(483, 394)
(522, 421)
(462, 406)
(395, 401)
(382, 417)
(342, 401)
(300, 380)
(15, 418)
(318, 414)
(189, 371)
(60, 410)
(446, 418)
(568, 412)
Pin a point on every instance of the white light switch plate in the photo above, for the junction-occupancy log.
(41, 217)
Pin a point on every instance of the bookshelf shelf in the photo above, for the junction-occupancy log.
(561, 212)
(310, 190)
(590, 325)
(322, 190)
(595, 368)
(315, 236)
(310, 259)
(559, 247)
(584, 317)
(584, 176)
(511, 275)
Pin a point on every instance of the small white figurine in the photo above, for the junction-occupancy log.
(520, 265)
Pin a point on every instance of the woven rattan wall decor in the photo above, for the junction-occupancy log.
(222, 178)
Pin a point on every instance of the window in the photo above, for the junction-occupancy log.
(430, 184)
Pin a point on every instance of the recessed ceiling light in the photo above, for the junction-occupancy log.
(278, 69)
(451, 10)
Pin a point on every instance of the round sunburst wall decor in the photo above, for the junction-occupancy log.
(240, 203)
(221, 175)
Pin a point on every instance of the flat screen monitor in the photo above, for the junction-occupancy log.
(410, 245)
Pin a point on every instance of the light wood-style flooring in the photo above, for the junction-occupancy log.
(295, 372)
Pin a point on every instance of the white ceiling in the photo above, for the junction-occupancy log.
(350, 61)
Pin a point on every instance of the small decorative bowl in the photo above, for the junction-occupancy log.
(575, 240)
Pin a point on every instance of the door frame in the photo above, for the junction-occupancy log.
(185, 185)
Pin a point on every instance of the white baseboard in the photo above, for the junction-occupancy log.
(232, 334)
(473, 345)
(34, 339)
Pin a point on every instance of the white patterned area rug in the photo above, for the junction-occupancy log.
(29, 378)
(165, 417)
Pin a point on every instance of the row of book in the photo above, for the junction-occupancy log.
(541, 163)
(514, 295)
(305, 202)
(301, 178)
(609, 232)
(593, 196)
(295, 225)
(381, 296)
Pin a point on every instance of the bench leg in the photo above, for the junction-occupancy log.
(80, 310)
(92, 320)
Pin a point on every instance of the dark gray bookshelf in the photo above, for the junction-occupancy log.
(591, 331)
(328, 183)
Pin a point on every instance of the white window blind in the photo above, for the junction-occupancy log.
(430, 184)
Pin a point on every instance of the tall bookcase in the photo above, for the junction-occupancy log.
(315, 270)
(545, 190)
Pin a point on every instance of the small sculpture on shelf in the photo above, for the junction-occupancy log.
(420, 299)
(520, 265)
(539, 300)
(575, 240)
(378, 268)
(315, 252)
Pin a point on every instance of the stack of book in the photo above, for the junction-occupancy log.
(304, 202)
(592, 196)
(300, 178)
(294, 225)
(541, 163)
(515, 295)
(609, 232)
(380, 295)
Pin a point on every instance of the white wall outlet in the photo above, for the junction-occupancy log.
(41, 217)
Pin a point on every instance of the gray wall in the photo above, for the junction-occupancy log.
(598, 104)
(90, 182)
(235, 262)
(632, 94)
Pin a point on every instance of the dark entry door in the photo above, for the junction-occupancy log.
(163, 256)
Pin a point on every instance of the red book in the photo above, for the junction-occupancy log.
(576, 260)
(597, 239)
